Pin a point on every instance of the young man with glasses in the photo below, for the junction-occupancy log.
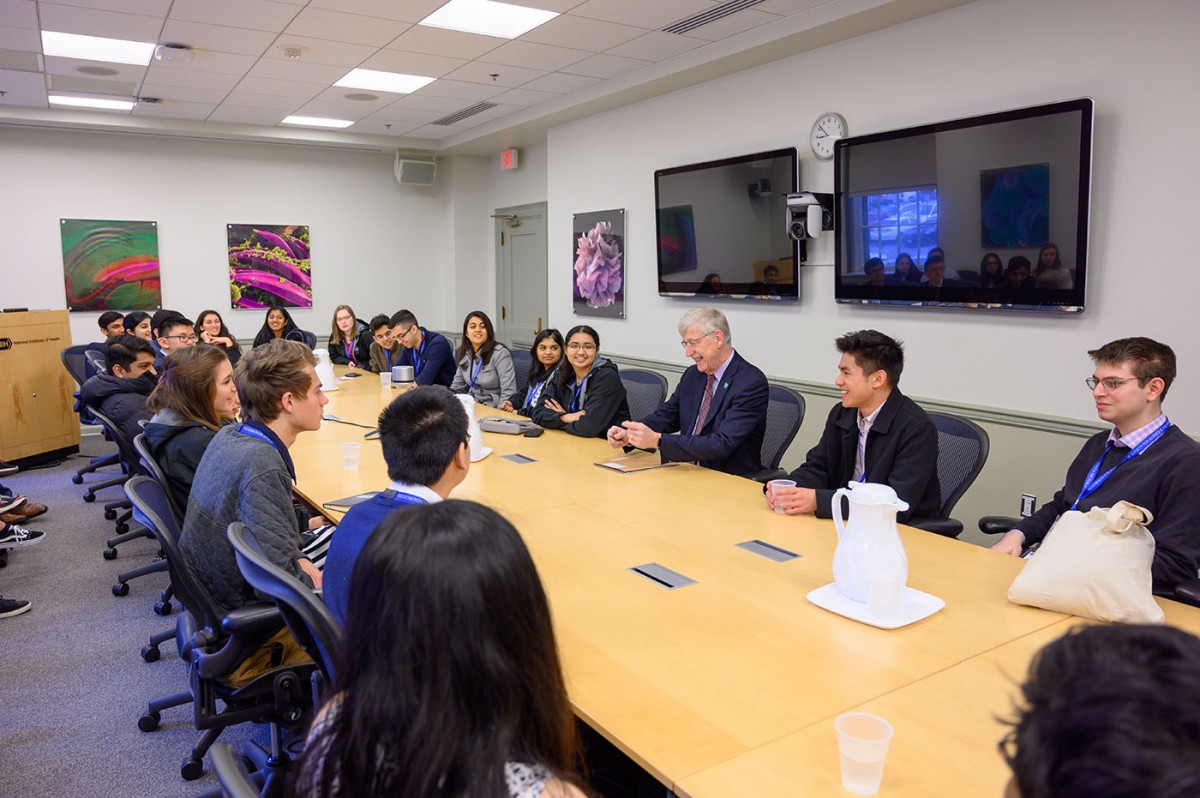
(385, 350)
(717, 416)
(429, 353)
(174, 332)
(1144, 459)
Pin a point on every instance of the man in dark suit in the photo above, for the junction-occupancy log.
(717, 415)
(876, 434)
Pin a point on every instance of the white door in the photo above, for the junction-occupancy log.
(521, 273)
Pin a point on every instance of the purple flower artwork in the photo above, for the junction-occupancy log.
(598, 278)
(269, 265)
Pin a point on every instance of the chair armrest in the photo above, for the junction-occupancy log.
(246, 629)
(767, 475)
(252, 618)
(947, 527)
(1188, 592)
(997, 524)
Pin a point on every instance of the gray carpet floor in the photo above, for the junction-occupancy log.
(72, 680)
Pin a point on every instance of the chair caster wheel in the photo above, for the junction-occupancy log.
(110, 553)
(163, 608)
(122, 528)
(77, 479)
(110, 515)
(191, 769)
(150, 654)
(89, 497)
(149, 721)
(121, 589)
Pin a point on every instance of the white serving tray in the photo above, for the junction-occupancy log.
(914, 606)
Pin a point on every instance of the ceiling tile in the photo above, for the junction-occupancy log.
(431, 66)
(246, 114)
(657, 46)
(335, 110)
(561, 6)
(211, 61)
(787, 7)
(439, 41)
(443, 105)
(460, 90)
(254, 14)
(296, 71)
(407, 11)
(524, 97)
(179, 77)
(284, 88)
(70, 66)
(744, 20)
(276, 102)
(177, 110)
(605, 66)
(23, 88)
(321, 51)
(19, 14)
(561, 83)
(24, 39)
(83, 85)
(482, 71)
(189, 94)
(149, 8)
(436, 132)
(411, 116)
(90, 22)
(217, 38)
(337, 26)
(382, 127)
(640, 13)
(536, 56)
(583, 33)
(338, 94)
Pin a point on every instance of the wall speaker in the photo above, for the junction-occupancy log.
(414, 173)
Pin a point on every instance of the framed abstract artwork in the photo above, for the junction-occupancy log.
(598, 271)
(1014, 206)
(269, 265)
(110, 265)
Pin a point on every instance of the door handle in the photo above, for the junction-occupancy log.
(539, 327)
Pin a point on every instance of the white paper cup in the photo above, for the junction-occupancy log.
(350, 454)
(780, 483)
(385, 379)
(862, 750)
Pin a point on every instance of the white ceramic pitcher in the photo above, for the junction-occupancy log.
(324, 369)
(869, 548)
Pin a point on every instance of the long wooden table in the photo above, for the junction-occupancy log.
(728, 687)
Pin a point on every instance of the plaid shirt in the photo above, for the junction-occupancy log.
(1140, 434)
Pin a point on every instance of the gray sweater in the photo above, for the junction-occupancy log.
(495, 382)
(240, 478)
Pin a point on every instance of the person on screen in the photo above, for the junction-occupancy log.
(544, 356)
(1108, 712)
(906, 270)
(1051, 273)
(1144, 459)
(586, 396)
(768, 287)
(935, 274)
(991, 271)
(1017, 274)
(876, 434)
(712, 285)
(428, 352)
(423, 434)
(876, 274)
(385, 350)
(717, 416)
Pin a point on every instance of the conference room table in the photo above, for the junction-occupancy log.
(729, 686)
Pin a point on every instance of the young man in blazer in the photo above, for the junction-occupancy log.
(718, 414)
(876, 434)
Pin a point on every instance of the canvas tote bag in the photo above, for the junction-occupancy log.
(1095, 565)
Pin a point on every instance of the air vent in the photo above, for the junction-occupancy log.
(712, 15)
(19, 61)
(459, 116)
(97, 71)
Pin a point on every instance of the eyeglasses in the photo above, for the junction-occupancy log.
(187, 339)
(1110, 383)
(575, 347)
(398, 336)
(694, 342)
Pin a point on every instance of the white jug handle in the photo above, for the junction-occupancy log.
(839, 523)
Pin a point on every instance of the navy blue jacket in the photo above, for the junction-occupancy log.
(437, 361)
(732, 436)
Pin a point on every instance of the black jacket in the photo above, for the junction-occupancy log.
(901, 452)
(122, 400)
(177, 447)
(602, 396)
(362, 349)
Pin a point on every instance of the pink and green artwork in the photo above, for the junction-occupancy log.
(269, 265)
(110, 265)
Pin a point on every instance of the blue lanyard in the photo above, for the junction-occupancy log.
(575, 399)
(1092, 482)
(262, 436)
(401, 498)
(418, 354)
(475, 373)
(348, 346)
(388, 354)
(534, 392)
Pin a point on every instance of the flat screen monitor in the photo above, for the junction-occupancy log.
(722, 228)
(1003, 199)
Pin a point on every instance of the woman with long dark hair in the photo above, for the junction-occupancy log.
(277, 324)
(991, 271)
(545, 354)
(137, 324)
(450, 683)
(349, 339)
(587, 396)
(210, 329)
(485, 366)
(905, 270)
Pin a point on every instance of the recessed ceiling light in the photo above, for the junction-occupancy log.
(91, 102)
(97, 48)
(488, 18)
(373, 80)
(361, 97)
(316, 121)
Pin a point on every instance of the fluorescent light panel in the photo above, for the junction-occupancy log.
(91, 102)
(488, 18)
(316, 121)
(97, 48)
(374, 80)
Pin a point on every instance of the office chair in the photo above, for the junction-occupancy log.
(962, 452)
(304, 337)
(235, 781)
(521, 362)
(95, 362)
(785, 414)
(150, 467)
(74, 361)
(130, 464)
(214, 645)
(645, 390)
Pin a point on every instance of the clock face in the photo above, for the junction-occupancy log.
(827, 129)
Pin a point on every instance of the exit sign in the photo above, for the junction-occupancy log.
(508, 160)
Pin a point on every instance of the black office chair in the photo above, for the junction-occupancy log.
(129, 466)
(95, 361)
(304, 337)
(785, 414)
(150, 467)
(521, 362)
(962, 451)
(213, 645)
(75, 362)
(235, 781)
(645, 390)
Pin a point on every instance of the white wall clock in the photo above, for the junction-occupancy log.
(827, 129)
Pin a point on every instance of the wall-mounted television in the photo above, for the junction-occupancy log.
(722, 227)
(1003, 198)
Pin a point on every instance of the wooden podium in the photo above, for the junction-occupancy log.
(38, 419)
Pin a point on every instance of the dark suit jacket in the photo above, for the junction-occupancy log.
(732, 436)
(901, 452)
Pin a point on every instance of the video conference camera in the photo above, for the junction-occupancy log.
(808, 214)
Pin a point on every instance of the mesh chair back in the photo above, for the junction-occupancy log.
(521, 362)
(235, 781)
(304, 337)
(95, 361)
(785, 414)
(151, 467)
(75, 362)
(130, 460)
(962, 451)
(152, 509)
(306, 616)
(645, 390)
